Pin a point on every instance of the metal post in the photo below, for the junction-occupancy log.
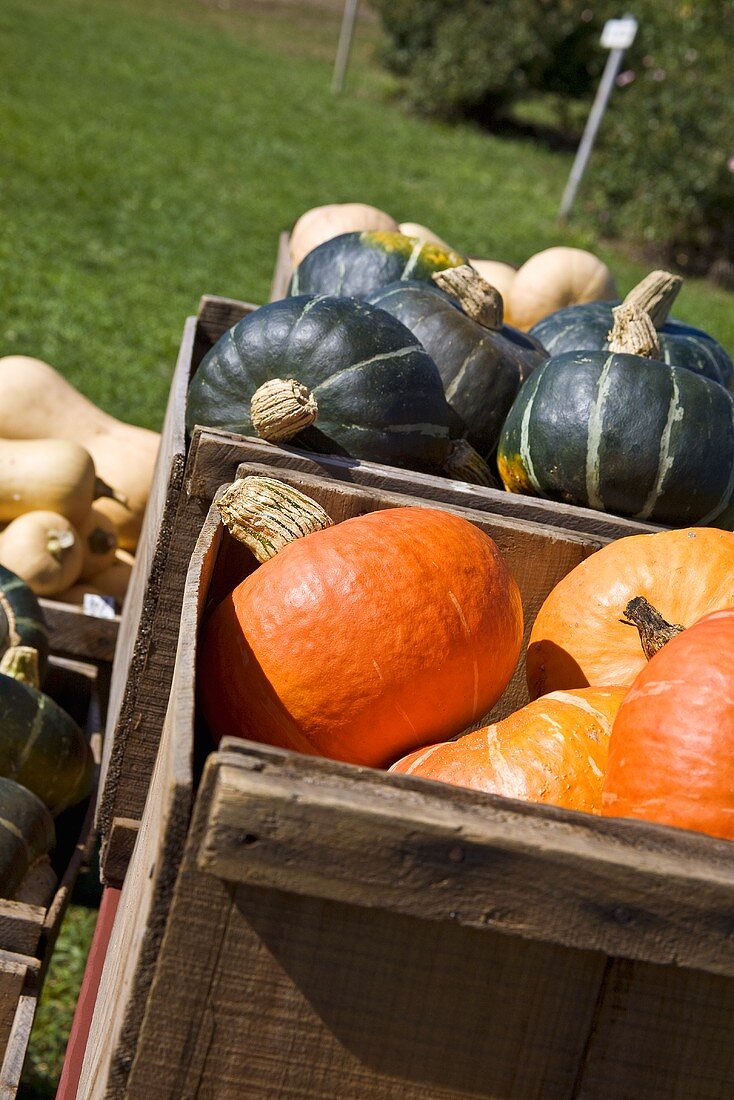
(628, 28)
(345, 45)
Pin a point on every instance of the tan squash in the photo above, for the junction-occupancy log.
(37, 402)
(98, 536)
(45, 551)
(114, 580)
(555, 278)
(76, 593)
(324, 222)
(500, 275)
(423, 233)
(53, 474)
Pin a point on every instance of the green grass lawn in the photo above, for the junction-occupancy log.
(152, 150)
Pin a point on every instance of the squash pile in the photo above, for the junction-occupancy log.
(630, 663)
(74, 483)
(46, 765)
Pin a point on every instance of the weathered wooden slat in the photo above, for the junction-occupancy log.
(18, 996)
(77, 634)
(119, 849)
(283, 269)
(21, 926)
(438, 852)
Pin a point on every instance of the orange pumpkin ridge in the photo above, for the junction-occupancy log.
(364, 640)
(553, 750)
(671, 753)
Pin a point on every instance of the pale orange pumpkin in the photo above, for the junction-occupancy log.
(554, 278)
(553, 750)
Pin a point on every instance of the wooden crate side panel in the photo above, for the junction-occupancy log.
(144, 902)
(18, 999)
(372, 475)
(259, 992)
(661, 1033)
(136, 627)
(283, 269)
(78, 635)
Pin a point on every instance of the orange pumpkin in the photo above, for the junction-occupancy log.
(553, 750)
(364, 640)
(671, 754)
(579, 636)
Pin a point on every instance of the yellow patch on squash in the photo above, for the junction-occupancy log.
(513, 473)
(431, 255)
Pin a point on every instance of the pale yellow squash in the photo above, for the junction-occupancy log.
(324, 222)
(555, 278)
(98, 536)
(53, 474)
(36, 402)
(45, 551)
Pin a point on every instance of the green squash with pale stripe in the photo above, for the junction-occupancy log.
(622, 434)
(380, 396)
(586, 327)
(21, 618)
(356, 264)
(26, 834)
(41, 747)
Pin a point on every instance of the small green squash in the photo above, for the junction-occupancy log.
(356, 264)
(21, 618)
(482, 368)
(26, 834)
(41, 747)
(379, 394)
(586, 328)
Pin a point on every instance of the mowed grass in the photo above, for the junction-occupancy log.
(151, 152)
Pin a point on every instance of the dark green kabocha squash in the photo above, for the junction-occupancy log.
(622, 433)
(586, 328)
(21, 621)
(378, 394)
(356, 264)
(482, 368)
(41, 747)
(26, 834)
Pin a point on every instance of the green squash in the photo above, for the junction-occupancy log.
(586, 327)
(482, 369)
(622, 433)
(21, 618)
(356, 264)
(26, 834)
(41, 747)
(379, 394)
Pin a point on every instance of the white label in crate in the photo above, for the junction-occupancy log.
(102, 607)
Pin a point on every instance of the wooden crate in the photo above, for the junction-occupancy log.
(28, 928)
(183, 488)
(316, 929)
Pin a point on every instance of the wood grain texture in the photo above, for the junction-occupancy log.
(21, 926)
(439, 852)
(18, 998)
(119, 850)
(144, 902)
(283, 269)
(76, 634)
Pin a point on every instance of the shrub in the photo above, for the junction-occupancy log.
(474, 57)
(663, 173)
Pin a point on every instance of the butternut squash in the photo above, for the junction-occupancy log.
(114, 580)
(98, 536)
(36, 401)
(44, 550)
(52, 474)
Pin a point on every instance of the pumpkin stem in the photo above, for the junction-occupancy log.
(655, 294)
(21, 662)
(633, 332)
(654, 631)
(281, 408)
(266, 514)
(478, 298)
(102, 489)
(466, 464)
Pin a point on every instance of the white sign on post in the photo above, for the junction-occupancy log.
(617, 36)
